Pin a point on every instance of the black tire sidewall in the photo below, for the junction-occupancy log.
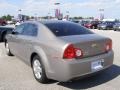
(4, 37)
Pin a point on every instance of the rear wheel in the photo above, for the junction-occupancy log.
(8, 52)
(39, 70)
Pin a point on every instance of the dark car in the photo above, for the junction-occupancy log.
(92, 24)
(5, 30)
(107, 25)
(3, 22)
(116, 27)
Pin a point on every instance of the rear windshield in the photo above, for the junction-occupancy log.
(67, 29)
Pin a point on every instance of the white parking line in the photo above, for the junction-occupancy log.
(2, 53)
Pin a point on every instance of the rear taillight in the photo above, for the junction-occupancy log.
(72, 52)
(108, 46)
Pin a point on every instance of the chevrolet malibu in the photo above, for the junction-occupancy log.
(59, 50)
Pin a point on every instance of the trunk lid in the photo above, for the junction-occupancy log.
(90, 44)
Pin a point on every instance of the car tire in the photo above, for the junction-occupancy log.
(4, 37)
(99, 28)
(8, 52)
(39, 70)
(107, 28)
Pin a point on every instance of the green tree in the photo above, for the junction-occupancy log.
(3, 17)
(7, 18)
(27, 17)
(31, 17)
(79, 17)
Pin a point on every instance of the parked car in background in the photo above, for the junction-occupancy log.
(116, 27)
(10, 22)
(92, 24)
(17, 23)
(60, 50)
(82, 23)
(107, 25)
(75, 20)
(3, 22)
(4, 30)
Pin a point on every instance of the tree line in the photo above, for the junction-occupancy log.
(9, 17)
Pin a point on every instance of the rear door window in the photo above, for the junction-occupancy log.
(30, 30)
(19, 29)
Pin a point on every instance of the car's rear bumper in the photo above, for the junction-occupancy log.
(67, 70)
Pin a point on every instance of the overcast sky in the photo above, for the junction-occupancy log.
(75, 7)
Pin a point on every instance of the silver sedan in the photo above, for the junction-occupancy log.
(59, 50)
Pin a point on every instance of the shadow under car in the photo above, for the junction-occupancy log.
(96, 80)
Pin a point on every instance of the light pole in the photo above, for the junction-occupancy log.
(19, 11)
(101, 13)
(19, 15)
(36, 16)
(67, 16)
(48, 15)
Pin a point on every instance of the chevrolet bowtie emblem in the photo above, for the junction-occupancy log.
(94, 45)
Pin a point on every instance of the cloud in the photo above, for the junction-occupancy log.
(7, 8)
(42, 7)
(93, 4)
(6, 5)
